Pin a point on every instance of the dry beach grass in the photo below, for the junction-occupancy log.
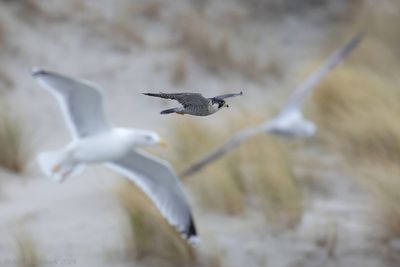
(151, 240)
(358, 111)
(149, 236)
(27, 254)
(257, 173)
(15, 147)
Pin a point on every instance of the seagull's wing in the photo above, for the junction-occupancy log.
(158, 180)
(302, 91)
(186, 99)
(221, 97)
(80, 101)
(235, 141)
(293, 104)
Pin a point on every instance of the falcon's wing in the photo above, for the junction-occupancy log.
(221, 97)
(186, 99)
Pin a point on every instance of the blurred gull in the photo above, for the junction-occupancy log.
(96, 141)
(290, 122)
(194, 103)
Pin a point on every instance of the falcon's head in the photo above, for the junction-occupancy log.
(220, 103)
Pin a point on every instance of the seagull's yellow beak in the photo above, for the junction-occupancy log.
(162, 143)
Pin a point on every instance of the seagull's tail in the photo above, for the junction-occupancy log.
(171, 110)
(56, 166)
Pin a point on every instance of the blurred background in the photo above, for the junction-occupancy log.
(330, 200)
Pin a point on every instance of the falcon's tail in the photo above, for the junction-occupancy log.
(171, 110)
(56, 165)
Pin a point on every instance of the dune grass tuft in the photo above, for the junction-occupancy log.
(215, 188)
(150, 237)
(152, 241)
(358, 111)
(362, 107)
(270, 178)
(255, 175)
(219, 50)
(15, 151)
(3, 34)
(26, 251)
(196, 35)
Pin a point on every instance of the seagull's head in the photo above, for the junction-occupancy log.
(147, 138)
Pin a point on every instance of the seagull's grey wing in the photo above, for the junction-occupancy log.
(158, 180)
(221, 97)
(186, 99)
(301, 92)
(235, 141)
(80, 101)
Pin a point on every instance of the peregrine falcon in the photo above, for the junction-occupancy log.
(194, 103)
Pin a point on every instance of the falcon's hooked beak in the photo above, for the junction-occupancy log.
(162, 143)
(222, 104)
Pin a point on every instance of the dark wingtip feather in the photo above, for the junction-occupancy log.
(35, 71)
(353, 43)
(241, 93)
(192, 229)
(191, 233)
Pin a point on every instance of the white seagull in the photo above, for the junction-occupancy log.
(96, 141)
(290, 122)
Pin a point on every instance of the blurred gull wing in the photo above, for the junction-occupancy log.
(158, 180)
(221, 97)
(235, 141)
(304, 89)
(80, 101)
(293, 105)
(186, 99)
